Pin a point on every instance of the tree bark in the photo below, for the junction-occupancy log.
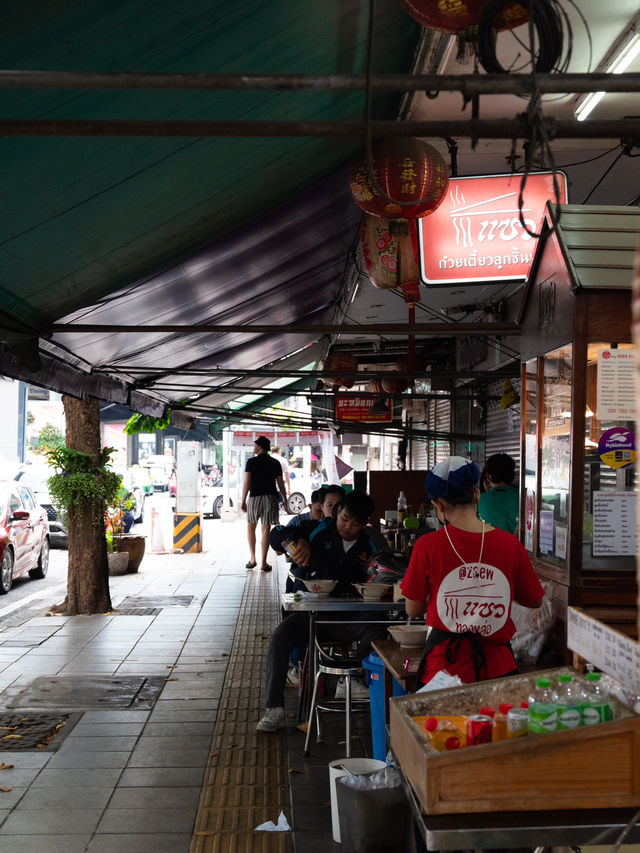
(88, 573)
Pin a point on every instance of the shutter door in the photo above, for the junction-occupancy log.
(502, 428)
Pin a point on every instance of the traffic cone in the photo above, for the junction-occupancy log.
(157, 539)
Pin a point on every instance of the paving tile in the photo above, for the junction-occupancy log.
(187, 704)
(78, 778)
(114, 716)
(54, 821)
(157, 743)
(63, 798)
(162, 715)
(165, 843)
(98, 759)
(8, 799)
(24, 759)
(179, 729)
(155, 798)
(84, 729)
(18, 778)
(147, 820)
(74, 743)
(169, 758)
(44, 843)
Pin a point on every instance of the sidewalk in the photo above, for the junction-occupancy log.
(126, 777)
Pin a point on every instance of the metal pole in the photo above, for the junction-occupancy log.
(474, 128)
(501, 328)
(467, 84)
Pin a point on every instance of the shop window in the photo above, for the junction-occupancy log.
(528, 525)
(555, 456)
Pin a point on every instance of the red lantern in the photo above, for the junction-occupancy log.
(391, 261)
(455, 16)
(375, 386)
(412, 173)
(395, 384)
(340, 361)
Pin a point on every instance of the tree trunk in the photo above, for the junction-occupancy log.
(88, 574)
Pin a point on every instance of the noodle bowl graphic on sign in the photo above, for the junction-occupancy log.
(474, 597)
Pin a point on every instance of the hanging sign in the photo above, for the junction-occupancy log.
(359, 409)
(617, 447)
(475, 234)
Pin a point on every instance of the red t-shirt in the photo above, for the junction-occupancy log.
(471, 596)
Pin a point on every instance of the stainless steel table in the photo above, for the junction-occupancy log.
(500, 830)
(315, 605)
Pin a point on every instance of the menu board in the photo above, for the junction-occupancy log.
(614, 524)
(616, 397)
(609, 650)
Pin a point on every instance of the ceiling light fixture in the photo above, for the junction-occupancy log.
(625, 53)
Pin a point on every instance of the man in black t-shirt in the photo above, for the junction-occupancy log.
(260, 497)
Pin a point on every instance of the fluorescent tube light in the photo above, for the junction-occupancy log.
(622, 60)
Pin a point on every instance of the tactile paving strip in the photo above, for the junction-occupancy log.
(246, 781)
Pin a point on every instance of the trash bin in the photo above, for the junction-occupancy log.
(341, 767)
(375, 668)
(376, 820)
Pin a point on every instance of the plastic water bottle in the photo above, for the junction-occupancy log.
(543, 712)
(595, 701)
(402, 506)
(567, 698)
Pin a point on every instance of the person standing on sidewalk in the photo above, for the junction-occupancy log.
(262, 475)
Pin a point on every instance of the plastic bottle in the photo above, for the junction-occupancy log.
(402, 507)
(500, 721)
(568, 699)
(543, 716)
(595, 705)
(518, 721)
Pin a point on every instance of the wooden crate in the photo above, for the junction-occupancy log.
(589, 767)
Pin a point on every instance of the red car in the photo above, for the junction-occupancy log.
(24, 535)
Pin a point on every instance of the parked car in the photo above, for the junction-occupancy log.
(212, 499)
(136, 491)
(142, 479)
(160, 468)
(35, 477)
(24, 535)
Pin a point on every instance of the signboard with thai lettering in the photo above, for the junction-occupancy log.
(359, 409)
(475, 235)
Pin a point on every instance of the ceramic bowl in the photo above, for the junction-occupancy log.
(372, 591)
(321, 587)
(409, 635)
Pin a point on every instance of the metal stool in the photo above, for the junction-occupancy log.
(342, 667)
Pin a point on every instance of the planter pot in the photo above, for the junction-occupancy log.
(133, 544)
(118, 562)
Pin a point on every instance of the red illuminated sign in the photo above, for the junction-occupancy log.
(359, 409)
(475, 235)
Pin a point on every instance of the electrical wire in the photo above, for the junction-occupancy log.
(604, 175)
(543, 16)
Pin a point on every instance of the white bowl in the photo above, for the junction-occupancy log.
(413, 636)
(372, 591)
(321, 587)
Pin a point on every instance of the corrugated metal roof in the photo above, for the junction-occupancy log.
(599, 244)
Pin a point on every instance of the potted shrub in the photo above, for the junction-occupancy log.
(79, 483)
(118, 523)
(113, 524)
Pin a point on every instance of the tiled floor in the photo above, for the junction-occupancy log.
(130, 779)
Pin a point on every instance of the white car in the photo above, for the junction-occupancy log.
(212, 499)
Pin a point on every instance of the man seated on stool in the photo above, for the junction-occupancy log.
(333, 549)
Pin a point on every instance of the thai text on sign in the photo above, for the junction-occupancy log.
(476, 234)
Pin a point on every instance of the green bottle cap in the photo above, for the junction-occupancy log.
(592, 676)
(543, 682)
(565, 679)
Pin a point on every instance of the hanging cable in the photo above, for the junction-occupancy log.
(542, 16)
(601, 179)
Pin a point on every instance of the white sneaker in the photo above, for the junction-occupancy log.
(292, 677)
(273, 720)
(358, 689)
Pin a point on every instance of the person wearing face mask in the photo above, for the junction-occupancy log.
(465, 577)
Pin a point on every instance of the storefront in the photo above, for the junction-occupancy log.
(578, 498)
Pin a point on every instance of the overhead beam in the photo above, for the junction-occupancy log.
(438, 329)
(518, 128)
(467, 84)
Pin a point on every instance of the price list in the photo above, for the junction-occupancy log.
(614, 524)
(609, 650)
(616, 385)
